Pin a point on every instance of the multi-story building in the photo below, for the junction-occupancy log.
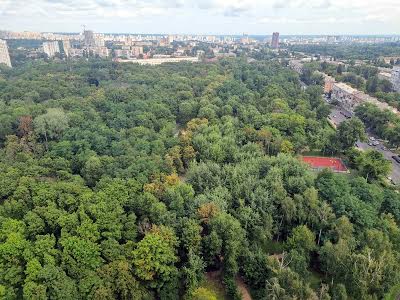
(350, 98)
(4, 55)
(385, 76)
(73, 52)
(137, 50)
(66, 47)
(98, 51)
(329, 81)
(51, 48)
(395, 78)
(275, 40)
(99, 40)
(88, 38)
(346, 96)
(128, 52)
(296, 65)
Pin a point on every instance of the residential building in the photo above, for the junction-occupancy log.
(88, 38)
(134, 51)
(296, 65)
(275, 40)
(4, 55)
(73, 52)
(350, 98)
(99, 40)
(51, 48)
(245, 39)
(385, 75)
(66, 47)
(395, 78)
(329, 81)
(346, 96)
(98, 51)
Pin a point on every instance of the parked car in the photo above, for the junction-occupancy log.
(375, 143)
(396, 158)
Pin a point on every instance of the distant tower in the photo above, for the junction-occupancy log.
(275, 40)
(88, 38)
(4, 55)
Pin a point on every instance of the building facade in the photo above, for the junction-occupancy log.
(275, 40)
(4, 55)
(66, 47)
(51, 48)
(346, 96)
(134, 51)
(88, 38)
(350, 98)
(395, 78)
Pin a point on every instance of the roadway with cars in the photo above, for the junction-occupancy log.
(338, 115)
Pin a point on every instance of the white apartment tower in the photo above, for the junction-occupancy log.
(66, 47)
(395, 78)
(4, 55)
(51, 48)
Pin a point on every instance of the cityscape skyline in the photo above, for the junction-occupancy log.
(294, 17)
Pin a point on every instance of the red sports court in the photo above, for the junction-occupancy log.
(318, 162)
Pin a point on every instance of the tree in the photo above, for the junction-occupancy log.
(372, 84)
(350, 131)
(339, 69)
(301, 239)
(52, 124)
(155, 256)
(373, 165)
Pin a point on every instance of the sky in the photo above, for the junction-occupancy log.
(254, 17)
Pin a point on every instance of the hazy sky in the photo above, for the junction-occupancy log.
(204, 16)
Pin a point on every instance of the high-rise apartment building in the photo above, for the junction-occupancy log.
(51, 48)
(395, 78)
(88, 38)
(275, 40)
(91, 39)
(66, 47)
(4, 55)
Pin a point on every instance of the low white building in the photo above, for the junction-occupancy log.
(159, 61)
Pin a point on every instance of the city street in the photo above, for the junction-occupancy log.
(338, 115)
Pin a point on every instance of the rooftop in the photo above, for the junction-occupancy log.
(345, 87)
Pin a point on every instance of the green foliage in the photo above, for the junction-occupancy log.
(154, 256)
(135, 188)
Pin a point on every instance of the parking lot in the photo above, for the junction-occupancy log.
(338, 115)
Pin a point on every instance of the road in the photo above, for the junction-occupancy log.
(338, 115)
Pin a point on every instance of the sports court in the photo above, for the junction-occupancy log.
(319, 162)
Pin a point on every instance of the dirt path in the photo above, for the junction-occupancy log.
(243, 289)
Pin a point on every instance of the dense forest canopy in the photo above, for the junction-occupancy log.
(121, 181)
(351, 51)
